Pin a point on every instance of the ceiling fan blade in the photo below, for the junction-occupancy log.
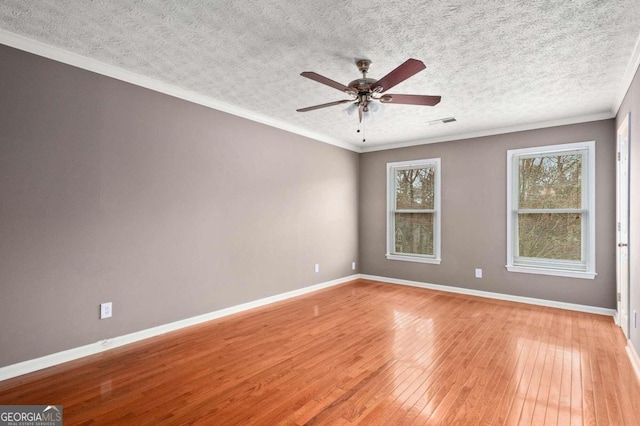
(311, 108)
(400, 74)
(327, 81)
(410, 99)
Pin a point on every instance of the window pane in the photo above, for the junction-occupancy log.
(551, 182)
(415, 188)
(550, 235)
(414, 233)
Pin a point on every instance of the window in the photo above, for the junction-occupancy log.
(413, 213)
(551, 210)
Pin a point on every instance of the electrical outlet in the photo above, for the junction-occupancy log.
(478, 273)
(317, 268)
(353, 266)
(106, 310)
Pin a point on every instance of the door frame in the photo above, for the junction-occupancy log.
(622, 224)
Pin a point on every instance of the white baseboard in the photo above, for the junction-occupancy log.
(499, 296)
(36, 364)
(634, 358)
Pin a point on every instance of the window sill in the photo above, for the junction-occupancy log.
(554, 272)
(417, 259)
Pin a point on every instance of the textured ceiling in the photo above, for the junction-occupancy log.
(496, 64)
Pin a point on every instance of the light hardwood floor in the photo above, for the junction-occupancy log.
(360, 353)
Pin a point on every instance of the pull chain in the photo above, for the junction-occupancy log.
(364, 131)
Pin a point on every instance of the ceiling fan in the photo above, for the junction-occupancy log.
(365, 90)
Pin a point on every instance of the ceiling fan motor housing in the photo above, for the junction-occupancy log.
(362, 84)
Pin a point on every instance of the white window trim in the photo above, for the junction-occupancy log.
(589, 232)
(391, 199)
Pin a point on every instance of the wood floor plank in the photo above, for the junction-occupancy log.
(521, 406)
(512, 371)
(490, 384)
(576, 407)
(429, 357)
(430, 361)
(607, 377)
(599, 397)
(586, 352)
(365, 353)
(450, 378)
(449, 375)
(459, 405)
(546, 411)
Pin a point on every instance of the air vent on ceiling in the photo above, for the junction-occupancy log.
(441, 121)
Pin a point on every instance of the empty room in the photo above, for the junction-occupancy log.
(299, 213)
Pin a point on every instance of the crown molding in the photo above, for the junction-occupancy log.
(67, 57)
(627, 78)
(492, 132)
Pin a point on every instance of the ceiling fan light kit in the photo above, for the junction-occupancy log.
(366, 92)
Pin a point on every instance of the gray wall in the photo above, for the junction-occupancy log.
(631, 104)
(111, 192)
(474, 216)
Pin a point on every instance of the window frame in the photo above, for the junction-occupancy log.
(556, 267)
(391, 210)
